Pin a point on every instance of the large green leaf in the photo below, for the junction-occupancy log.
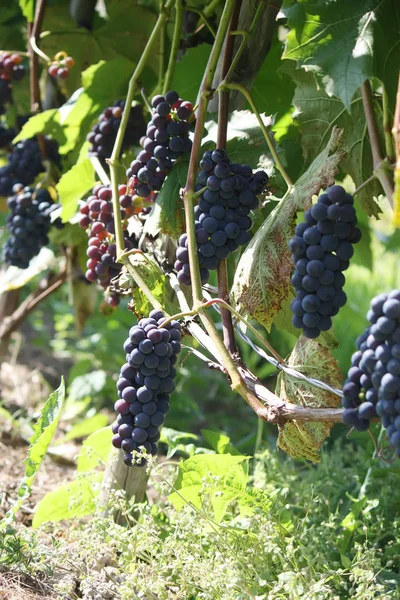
(262, 279)
(28, 9)
(73, 186)
(85, 427)
(189, 72)
(95, 449)
(98, 94)
(317, 114)
(345, 43)
(46, 122)
(71, 500)
(222, 476)
(40, 441)
(302, 439)
(122, 35)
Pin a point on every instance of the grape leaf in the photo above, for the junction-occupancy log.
(317, 114)
(47, 122)
(303, 439)
(95, 450)
(98, 94)
(345, 43)
(189, 72)
(167, 213)
(225, 476)
(14, 277)
(40, 441)
(262, 279)
(73, 185)
(72, 500)
(28, 9)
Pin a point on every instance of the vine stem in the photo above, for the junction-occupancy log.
(161, 58)
(245, 35)
(113, 161)
(387, 128)
(223, 116)
(243, 90)
(370, 117)
(33, 35)
(175, 46)
(237, 384)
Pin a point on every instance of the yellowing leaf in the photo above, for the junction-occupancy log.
(304, 439)
(262, 278)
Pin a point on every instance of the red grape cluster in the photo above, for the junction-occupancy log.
(61, 66)
(104, 132)
(10, 69)
(97, 218)
(167, 138)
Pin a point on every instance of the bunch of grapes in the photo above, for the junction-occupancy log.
(103, 135)
(97, 218)
(28, 224)
(167, 138)
(321, 250)
(5, 94)
(61, 66)
(11, 67)
(7, 134)
(372, 388)
(146, 380)
(25, 163)
(222, 215)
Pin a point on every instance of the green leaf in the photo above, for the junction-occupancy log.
(46, 123)
(85, 427)
(262, 279)
(95, 449)
(219, 442)
(344, 43)
(303, 439)
(167, 213)
(271, 77)
(221, 476)
(97, 95)
(189, 72)
(317, 115)
(28, 9)
(40, 441)
(73, 185)
(176, 441)
(72, 500)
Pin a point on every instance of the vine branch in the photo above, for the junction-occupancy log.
(223, 117)
(370, 117)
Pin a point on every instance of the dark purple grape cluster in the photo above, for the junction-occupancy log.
(167, 138)
(28, 224)
(145, 383)
(222, 215)
(372, 388)
(25, 163)
(321, 250)
(98, 219)
(103, 135)
(7, 134)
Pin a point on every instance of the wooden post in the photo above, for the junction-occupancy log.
(117, 476)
